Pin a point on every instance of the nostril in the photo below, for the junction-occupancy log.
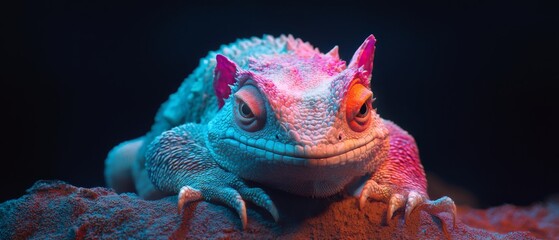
(277, 136)
(340, 137)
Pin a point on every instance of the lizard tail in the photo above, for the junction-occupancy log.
(118, 165)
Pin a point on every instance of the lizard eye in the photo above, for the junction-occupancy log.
(244, 110)
(250, 112)
(358, 107)
(363, 111)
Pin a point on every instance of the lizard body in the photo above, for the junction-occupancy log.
(278, 112)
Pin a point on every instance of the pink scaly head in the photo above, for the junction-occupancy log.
(300, 121)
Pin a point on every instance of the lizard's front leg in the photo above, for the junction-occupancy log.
(400, 181)
(178, 161)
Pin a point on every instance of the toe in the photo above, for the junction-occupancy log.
(396, 202)
(372, 190)
(231, 198)
(443, 204)
(414, 200)
(261, 199)
(187, 195)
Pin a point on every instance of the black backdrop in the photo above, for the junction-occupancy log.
(475, 83)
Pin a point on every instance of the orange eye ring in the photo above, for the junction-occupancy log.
(358, 107)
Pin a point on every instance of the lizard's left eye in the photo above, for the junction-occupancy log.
(363, 111)
(358, 107)
(249, 111)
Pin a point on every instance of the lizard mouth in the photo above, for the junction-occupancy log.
(346, 152)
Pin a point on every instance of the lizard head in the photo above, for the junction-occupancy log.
(300, 121)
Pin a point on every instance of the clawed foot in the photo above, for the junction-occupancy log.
(409, 200)
(232, 193)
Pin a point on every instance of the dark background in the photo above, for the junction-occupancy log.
(475, 82)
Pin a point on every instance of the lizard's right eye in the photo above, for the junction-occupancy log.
(358, 107)
(250, 112)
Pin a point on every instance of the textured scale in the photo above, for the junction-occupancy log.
(278, 112)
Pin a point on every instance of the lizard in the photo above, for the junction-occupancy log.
(278, 112)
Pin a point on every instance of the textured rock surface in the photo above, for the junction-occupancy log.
(542, 220)
(56, 210)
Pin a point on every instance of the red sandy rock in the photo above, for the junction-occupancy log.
(542, 220)
(56, 210)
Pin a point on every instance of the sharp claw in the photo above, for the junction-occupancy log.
(233, 199)
(396, 201)
(364, 195)
(260, 198)
(272, 210)
(449, 202)
(414, 200)
(242, 211)
(453, 215)
(186, 195)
